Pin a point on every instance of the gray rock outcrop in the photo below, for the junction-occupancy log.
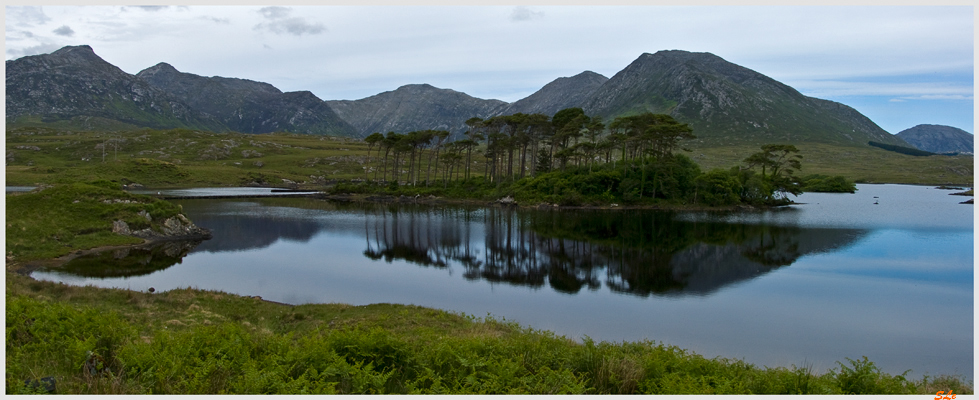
(176, 227)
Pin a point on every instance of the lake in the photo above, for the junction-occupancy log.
(885, 273)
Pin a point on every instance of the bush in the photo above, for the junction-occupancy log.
(717, 188)
(830, 184)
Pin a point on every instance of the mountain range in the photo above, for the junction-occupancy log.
(719, 99)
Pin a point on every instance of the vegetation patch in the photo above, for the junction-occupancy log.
(827, 184)
(54, 221)
(95, 341)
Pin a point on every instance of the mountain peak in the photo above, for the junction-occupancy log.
(939, 139)
(559, 94)
(74, 50)
(82, 54)
(159, 70)
(162, 67)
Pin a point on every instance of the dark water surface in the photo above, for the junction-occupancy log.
(836, 277)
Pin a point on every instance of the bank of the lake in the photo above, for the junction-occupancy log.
(88, 340)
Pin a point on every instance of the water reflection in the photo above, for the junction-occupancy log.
(132, 261)
(635, 252)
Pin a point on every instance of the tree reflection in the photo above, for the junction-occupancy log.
(638, 252)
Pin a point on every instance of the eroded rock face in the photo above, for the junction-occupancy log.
(172, 228)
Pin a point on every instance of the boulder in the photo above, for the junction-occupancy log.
(507, 201)
(121, 227)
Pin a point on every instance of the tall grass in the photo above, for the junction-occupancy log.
(190, 341)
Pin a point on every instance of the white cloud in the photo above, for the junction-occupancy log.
(281, 23)
(25, 16)
(275, 12)
(522, 13)
(224, 21)
(908, 88)
(149, 8)
(940, 97)
(295, 26)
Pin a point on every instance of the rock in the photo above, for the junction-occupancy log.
(507, 201)
(172, 228)
(259, 164)
(121, 227)
(144, 214)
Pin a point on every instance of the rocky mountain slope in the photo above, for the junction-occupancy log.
(939, 139)
(248, 106)
(561, 93)
(75, 83)
(415, 107)
(721, 99)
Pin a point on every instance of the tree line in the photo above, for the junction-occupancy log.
(572, 158)
(515, 146)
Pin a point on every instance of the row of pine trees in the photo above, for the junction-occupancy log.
(511, 147)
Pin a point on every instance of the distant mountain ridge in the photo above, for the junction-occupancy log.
(561, 93)
(74, 82)
(248, 106)
(939, 139)
(414, 107)
(723, 102)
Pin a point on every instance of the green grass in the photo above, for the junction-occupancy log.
(178, 158)
(193, 341)
(58, 220)
(188, 158)
(862, 164)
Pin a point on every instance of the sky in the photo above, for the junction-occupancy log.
(899, 65)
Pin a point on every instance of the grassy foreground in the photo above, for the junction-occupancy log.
(92, 340)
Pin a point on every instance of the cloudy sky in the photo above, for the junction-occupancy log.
(899, 65)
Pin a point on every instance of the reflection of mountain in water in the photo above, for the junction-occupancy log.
(637, 252)
(233, 231)
(132, 261)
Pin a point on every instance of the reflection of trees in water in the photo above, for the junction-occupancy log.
(641, 252)
(131, 261)
(429, 237)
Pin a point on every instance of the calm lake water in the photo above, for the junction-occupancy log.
(810, 284)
